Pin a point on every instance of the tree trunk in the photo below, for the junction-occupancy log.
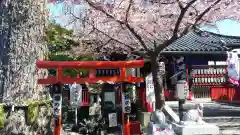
(158, 82)
(22, 43)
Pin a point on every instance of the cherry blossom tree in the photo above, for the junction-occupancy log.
(146, 27)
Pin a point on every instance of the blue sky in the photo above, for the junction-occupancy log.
(58, 13)
(226, 27)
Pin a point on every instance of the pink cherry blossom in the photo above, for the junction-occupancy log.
(148, 26)
(109, 22)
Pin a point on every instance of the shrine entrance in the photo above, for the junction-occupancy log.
(60, 79)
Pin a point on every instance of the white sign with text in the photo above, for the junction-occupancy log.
(150, 94)
(76, 95)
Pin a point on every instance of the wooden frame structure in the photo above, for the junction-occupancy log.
(60, 79)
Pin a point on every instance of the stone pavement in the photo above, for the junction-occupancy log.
(226, 116)
(210, 108)
(235, 131)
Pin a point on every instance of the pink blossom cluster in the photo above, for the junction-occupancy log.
(112, 22)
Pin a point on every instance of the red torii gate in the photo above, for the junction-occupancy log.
(60, 79)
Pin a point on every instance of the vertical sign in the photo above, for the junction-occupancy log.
(126, 102)
(150, 94)
(112, 118)
(76, 98)
(76, 95)
(57, 107)
(233, 68)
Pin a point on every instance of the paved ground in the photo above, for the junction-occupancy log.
(212, 109)
(226, 116)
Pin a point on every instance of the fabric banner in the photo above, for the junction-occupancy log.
(150, 94)
(233, 68)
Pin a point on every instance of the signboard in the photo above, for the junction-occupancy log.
(57, 104)
(76, 95)
(233, 67)
(150, 94)
(126, 103)
(112, 118)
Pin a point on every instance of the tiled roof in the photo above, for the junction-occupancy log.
(202, 41)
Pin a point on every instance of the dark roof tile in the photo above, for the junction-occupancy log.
(202, 41)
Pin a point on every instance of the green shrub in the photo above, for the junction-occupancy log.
(32, 113)
(2, 116)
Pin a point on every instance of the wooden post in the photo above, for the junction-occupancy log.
(187, 80)
(57, 108)
(123, 122)
(123, 76)
(127, 127)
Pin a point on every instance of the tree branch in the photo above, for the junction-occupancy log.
(131, 29)
(186, 29)
(180, 18)
(128, 9)
(113, 39)
(140, 53)
(166, 3)
(146, 31)
(180, 4)
(199, 18)
(205, 12)
(160, 47)
(99, 8)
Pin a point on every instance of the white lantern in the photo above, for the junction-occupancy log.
(181, 89)
(76, 95)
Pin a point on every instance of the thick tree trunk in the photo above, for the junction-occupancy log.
(22, 43)
(22, 24)
(158, 82)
